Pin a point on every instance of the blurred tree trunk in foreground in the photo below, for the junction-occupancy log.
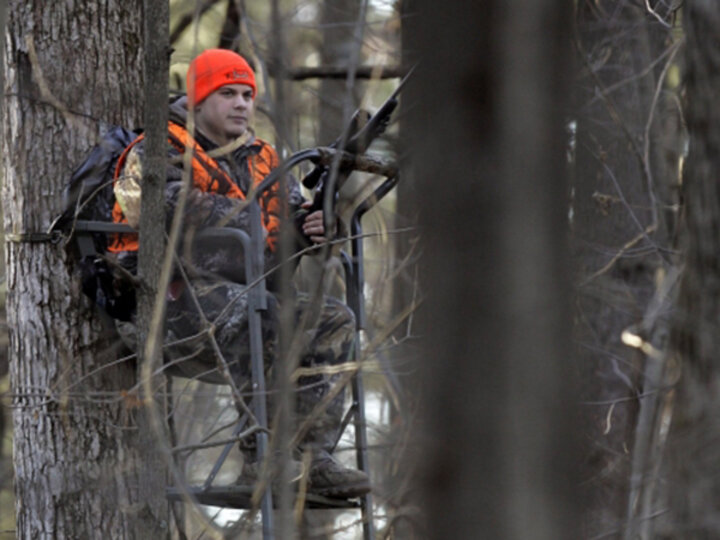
(68, 69)
(498, 448)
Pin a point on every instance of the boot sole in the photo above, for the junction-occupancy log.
(344, 491)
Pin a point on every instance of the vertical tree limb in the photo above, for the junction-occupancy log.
(499, 451)
(151, 296)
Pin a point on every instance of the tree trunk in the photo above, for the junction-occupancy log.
(498, 453)
(153, 271)
(70, 69)
(695, 434)
(337, 20)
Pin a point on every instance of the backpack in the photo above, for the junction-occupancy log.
(89, 196)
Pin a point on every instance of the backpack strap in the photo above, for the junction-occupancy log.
(121, 160)
(208, 176)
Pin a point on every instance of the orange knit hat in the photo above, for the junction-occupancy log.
(214, 68)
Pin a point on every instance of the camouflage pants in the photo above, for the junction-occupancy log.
(325, 339)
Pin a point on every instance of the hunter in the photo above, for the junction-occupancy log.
(221, 92)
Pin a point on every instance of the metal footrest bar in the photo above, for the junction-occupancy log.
(240, 497)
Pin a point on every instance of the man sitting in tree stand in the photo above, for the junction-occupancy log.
(221, 92)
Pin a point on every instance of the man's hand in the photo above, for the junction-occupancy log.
(314, 225)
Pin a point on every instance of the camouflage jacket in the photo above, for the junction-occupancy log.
(217, 198)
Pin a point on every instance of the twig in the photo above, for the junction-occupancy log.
(629, 398)
(612, 110)
(656, 15)
(334, 369)
(199, 446)
(648, 69)
(619, 254)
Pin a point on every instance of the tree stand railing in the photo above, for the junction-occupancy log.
(240, 497)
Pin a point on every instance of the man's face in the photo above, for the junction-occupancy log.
(224, 115)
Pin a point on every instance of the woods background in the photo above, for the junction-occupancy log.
(543, 284)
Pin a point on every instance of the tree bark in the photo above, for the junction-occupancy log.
(338, 19)
(153, 271)
(498, 452)
(695, 433)
(70, 70)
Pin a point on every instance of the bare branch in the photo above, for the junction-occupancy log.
(655, 14)
(342, 72)
(188, 19)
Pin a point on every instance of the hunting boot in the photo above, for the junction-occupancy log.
(253, 471)
(329, 478)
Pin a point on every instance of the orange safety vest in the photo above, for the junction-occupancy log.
(208, 176)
